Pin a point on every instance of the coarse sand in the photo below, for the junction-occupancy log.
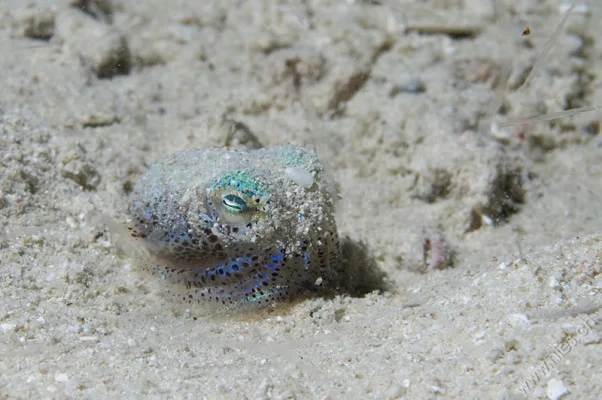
(475, 248)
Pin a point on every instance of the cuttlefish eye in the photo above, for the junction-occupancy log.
(234, 204)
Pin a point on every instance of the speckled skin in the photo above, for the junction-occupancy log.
(230, 227)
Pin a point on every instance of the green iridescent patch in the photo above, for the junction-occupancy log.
(291, 156)
(242, 182)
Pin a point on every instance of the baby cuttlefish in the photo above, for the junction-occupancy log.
(238, 227)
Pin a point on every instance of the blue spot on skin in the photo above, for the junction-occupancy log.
(238, 266)
(307, 260)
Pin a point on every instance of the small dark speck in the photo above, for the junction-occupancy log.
(127, 187)
(413, 86)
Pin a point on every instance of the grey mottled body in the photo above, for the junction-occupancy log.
(235, 227)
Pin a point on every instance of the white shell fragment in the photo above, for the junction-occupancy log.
(556, 389)
(300, 176)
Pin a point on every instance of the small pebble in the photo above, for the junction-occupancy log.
(518, 320)
(7, 327)
(555, 389)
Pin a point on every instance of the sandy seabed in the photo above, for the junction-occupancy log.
(486, 242)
